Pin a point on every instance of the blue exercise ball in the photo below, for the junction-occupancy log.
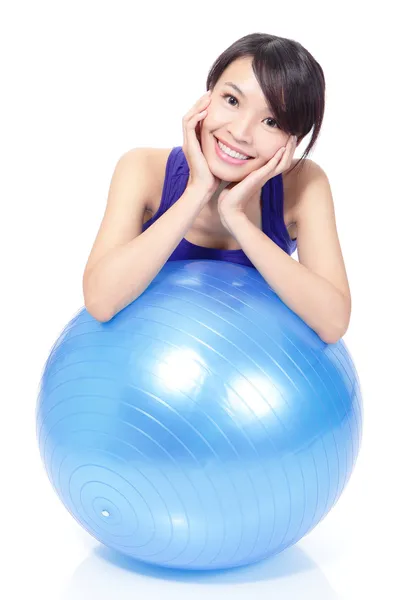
(205, 426)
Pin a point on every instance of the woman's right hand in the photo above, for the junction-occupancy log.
(200, 175)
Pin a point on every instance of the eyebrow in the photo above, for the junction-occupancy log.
(235, 87)
(239, 91)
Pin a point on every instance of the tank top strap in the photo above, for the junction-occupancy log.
(175, 179)
(273, 222)
(176, 176)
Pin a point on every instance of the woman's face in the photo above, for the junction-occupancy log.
(244, 122)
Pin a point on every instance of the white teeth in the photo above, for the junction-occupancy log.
(230, 152)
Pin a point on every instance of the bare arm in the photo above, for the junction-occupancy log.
(125, 271)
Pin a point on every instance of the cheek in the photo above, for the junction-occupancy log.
(216, 117)
(207, 127)
(272, 148)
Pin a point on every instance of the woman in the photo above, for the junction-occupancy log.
(233, 192)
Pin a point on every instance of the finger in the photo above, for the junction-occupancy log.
(191, 121)
(202, 103)
(287, 157)
(194, 113)
(189, 130)
(269, 170)
(271, 164)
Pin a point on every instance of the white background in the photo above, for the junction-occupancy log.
(84, 81)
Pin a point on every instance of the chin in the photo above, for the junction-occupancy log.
(224, 174)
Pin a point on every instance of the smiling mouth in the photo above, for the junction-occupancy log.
(218, 142)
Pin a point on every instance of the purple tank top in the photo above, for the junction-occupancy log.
(176, 178)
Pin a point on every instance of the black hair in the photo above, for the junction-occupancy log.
(292, 82)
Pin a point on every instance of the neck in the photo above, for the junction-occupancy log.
(214, 198)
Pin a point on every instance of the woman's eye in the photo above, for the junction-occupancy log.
(229, 96)
(273, 120)
(267, 119)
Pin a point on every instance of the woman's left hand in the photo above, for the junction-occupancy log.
(234, 197)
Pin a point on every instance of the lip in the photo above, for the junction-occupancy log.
(225, 157)
(233, 147)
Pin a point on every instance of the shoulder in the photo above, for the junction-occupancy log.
(155, 161)
(159, 157)
(298, 183)
(296, 178)
(155, 157)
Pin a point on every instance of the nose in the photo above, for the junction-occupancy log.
(240, 130)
